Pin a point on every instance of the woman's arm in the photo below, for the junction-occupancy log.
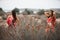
(46, 14)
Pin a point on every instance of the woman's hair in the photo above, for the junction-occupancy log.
(51, 11)
(14, 16)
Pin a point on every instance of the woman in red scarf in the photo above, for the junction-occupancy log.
(12, 19)
(51, 20)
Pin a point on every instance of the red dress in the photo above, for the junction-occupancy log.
(51, 20)
(9, 20)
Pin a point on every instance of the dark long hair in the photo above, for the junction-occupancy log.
(14, 16)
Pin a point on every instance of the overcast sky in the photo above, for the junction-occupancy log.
(35, 4)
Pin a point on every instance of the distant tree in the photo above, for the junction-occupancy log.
(2, 13)
(28, 12)
(40, 12)
(57, 15)
(25, 12)
(31, 12)
(1, 9)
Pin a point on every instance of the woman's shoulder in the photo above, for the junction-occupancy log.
(17, 19)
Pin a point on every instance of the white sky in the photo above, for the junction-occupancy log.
(42, 4)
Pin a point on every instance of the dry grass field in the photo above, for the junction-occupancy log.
(31, 27)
